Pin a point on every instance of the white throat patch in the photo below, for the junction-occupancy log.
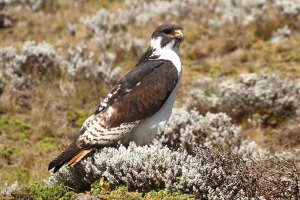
(168, 52)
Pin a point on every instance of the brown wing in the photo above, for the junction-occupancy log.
(140, 94)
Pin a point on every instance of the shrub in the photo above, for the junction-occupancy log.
(80, 64)
(204, 173)
(5, 19)
(35, 62)
(39, 63)
(190, 128)
(199, 155)
(271, 96)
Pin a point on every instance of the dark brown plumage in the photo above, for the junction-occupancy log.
(132, 102)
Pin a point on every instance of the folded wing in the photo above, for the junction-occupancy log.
(137, 96)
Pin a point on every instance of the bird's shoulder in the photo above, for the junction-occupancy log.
(142, 74)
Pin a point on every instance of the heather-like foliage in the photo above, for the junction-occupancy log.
(192, 156)
(80, 64)
(146, 168)
(227, 16)
(268, 94)
(39, 61)
(33, 5)
(5, 19)
(203, 173)
(8, 189)
(79, 61)
(139, 13)
(35, 62)
(281, 34)
(261, 92)
(186, 129)
(241, 13)
(214, 20)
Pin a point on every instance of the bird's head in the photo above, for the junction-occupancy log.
(167, 36)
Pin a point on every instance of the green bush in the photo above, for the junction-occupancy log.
(11, 125)
(40, 192)
(47, 143)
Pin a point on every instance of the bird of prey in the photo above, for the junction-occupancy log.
(140, 102)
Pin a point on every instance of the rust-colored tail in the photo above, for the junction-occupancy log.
(70, 155)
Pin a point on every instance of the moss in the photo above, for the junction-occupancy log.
(13, 125)
(52, 192)
(104, 190)
(40, 192)
(82, 118)
(76, 118)
(123, 193)
(101, 189)
(8, 151)
(23, 175)
(15, 173)
(6, 122)
(167, 196)
(24, 136)
(47, 143)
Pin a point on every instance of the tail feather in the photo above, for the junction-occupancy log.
(78, 157)
(67, 155)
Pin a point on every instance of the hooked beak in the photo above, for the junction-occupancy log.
(178, 34)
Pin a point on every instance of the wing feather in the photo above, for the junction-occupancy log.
(140, 94)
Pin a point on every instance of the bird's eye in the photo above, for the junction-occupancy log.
(167, 31)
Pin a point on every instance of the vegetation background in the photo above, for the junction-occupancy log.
(59, 58)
